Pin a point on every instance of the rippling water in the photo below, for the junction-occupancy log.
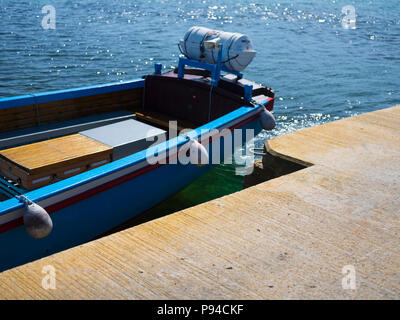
(319, 70)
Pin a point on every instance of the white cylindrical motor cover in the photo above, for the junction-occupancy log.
(237, 49)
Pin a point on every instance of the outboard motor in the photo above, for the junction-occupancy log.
(237, 49)
(231, 51)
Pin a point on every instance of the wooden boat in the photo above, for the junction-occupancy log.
(82, 155)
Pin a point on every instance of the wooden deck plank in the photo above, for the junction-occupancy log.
(287, 238)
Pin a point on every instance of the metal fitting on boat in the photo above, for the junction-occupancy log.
(267, 120)
(37, 221)
(198, 154)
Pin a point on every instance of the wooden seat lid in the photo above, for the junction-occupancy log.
(56, 153)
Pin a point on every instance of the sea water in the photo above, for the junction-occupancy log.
(325, 59)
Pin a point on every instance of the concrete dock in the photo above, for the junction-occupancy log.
(310, 234)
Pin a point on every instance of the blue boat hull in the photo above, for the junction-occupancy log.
(96, 214)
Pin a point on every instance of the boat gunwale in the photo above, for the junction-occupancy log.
(72, 93)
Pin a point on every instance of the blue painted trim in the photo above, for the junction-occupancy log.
(24, 100)
(5, 191)
(18, 101)
(10, 186)
(112, 167)
(215, 69)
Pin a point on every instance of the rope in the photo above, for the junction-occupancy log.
(24, 200)
(209, 103)
(180, 49)
(222, 62)
(184, 40)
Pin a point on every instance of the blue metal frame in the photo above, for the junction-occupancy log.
(215, 69)
(248, 92)
(236, 73)
(215, 72)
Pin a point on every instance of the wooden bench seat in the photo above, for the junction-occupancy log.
(40, 163)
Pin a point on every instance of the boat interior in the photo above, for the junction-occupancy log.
(43, 143)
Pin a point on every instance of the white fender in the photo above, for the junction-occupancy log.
(37, 221)
(198, 154)
(267, 120)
